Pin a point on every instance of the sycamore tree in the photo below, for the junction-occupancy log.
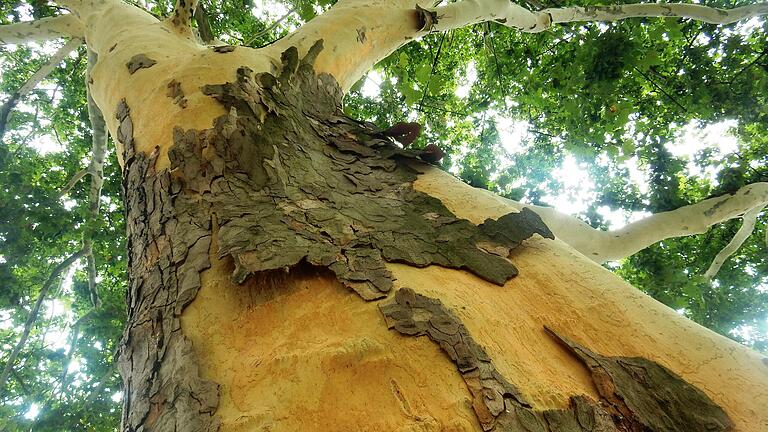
(297, 260)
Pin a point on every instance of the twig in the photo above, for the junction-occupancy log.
(255, 37)
(661, 89)
(752, 63)
(73, 181)
(432, 71)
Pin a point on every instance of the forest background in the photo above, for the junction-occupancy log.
(607, 121)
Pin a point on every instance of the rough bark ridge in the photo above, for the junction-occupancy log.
(166, 252)
(637, 395)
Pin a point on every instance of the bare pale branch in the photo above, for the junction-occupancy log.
(41, 30)
(34, 80)
(696, 218)
(96, 170)
(747, 227)
(182, 15)
(467, 12)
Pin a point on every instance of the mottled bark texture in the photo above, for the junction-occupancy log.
(167, 249)
(291, 179)
(636, 395)
(286, 178)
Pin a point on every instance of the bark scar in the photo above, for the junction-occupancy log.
(139, 61)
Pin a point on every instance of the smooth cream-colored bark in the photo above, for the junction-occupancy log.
(466, 12)
(602, 246)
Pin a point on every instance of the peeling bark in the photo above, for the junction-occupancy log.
(176, 94)
(166, 252)
(645, 395)
(288, 178)
(139, 61)
(295, 180)
(637, 395)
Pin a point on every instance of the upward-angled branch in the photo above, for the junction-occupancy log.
(96, 170)
(356, 34)
(203, 26)
(696, 218)
(32, 317)
(34, 80)
(41, 30)
(182, 15)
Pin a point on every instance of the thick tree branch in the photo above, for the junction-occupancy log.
(41, 30)
(33, 316)
(359, 33)
(182, 15)
(34, 80)
(466, 12)
(604, 246)
(356, 35)
(96, 170)
(680, 10)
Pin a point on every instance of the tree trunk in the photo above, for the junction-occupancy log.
(292, 269)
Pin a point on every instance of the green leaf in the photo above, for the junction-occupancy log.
(403, 60)
(423, 72)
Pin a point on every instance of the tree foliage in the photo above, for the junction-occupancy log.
(613, 97)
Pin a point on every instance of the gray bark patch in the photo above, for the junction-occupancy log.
(223, 49)
(292, 179)
(637, 395)
(176, 94)
(139, 61)
(166, 252)
(648, 396)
